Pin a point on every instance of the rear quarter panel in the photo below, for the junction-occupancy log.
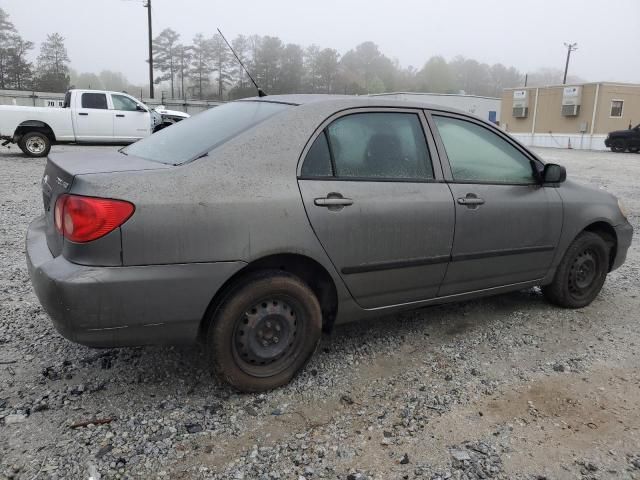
(59, 119)
(242, 202)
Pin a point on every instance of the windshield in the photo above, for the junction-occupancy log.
(195, 136)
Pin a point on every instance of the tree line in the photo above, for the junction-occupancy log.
(51, 72)
(205, 68)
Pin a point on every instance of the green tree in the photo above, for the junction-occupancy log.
(53, 64)
(221, 63)
(19, 71)
(436, 76)
(165, 59)
(267, 60)
(7, 33)
(201, 63)
(368, 70)
(184, 56)
(291, 69)
(327, 66)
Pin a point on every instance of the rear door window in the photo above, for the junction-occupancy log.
(379, 145)
(94, 100)
(318, 160)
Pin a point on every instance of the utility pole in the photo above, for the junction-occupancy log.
(570, 48)
(148, 7)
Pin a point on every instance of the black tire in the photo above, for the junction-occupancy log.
(265, 330)
(581, 273)
(619, 146)
(634, 149)
(35, 144)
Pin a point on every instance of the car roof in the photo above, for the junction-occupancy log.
(350, 101)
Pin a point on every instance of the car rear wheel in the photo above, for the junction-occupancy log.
(264, 332)
(581, 272)
(634, 149)
(618, 146)
(35, 144)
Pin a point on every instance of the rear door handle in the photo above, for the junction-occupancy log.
(470, 201)
(333, 201)
(120, 115)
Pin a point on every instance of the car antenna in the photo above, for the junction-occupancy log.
(260, 91)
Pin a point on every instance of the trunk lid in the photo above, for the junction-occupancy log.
(62, 168)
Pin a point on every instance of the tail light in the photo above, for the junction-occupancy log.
(84, 219)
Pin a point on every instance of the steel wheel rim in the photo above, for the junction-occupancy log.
(35, 145)
(584, 273)
(267, 337)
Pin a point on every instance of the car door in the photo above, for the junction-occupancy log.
(507, 224)
(378, 206)
(130, 123)
(93, 121)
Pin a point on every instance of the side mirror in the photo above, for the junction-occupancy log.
(140, 108)
(554, 173)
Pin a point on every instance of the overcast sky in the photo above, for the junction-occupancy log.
(112, 34)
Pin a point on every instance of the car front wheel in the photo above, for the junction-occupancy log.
(264, 331)
(581, 273)
(618, 146)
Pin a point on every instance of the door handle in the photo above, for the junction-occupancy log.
(83, 113)
(333, 201)
(120, 115)
(471, 200)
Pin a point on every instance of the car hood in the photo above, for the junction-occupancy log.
(620, 132)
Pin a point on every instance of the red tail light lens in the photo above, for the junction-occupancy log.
(84, 219)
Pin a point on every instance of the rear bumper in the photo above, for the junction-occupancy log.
(122, 306)
(624, 234)
(607, 142)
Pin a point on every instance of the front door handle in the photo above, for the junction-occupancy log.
(119, 115)
(333, 201)
(471, 200)
(83, 113)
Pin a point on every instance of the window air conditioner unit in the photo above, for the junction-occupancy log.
(570, 110)
(520, 112)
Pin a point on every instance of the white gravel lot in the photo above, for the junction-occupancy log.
(507, 387)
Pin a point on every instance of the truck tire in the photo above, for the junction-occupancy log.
(35, 144)
(618, 146)
(265, 330)
(581, 273)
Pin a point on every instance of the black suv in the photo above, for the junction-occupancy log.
(623, 140)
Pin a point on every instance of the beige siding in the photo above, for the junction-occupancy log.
(549, 118)
(630, 95)
(512, 124)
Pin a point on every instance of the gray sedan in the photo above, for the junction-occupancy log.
(256, 225)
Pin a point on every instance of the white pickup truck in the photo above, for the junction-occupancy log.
(88, 116)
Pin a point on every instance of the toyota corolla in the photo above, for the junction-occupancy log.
(256, 225)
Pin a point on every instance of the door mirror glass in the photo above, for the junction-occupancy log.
(554, 173)
(140, 108)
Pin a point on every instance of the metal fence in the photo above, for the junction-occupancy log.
(47, 99)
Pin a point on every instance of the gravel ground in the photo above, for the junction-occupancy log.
(507, 387)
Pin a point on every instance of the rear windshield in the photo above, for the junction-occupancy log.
(195, 136)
